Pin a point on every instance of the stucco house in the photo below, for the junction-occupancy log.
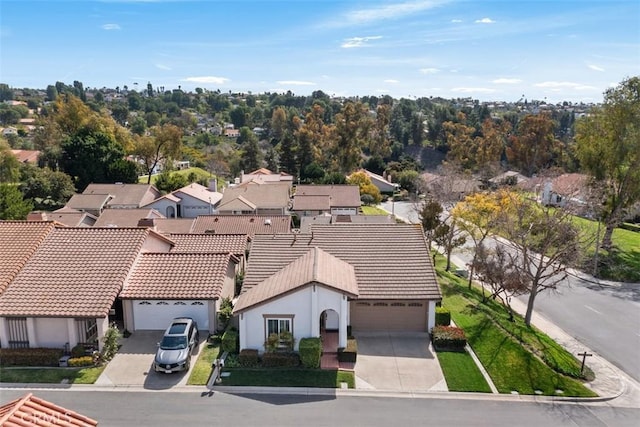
(124, 196)
(256, 198)
(188, 202)
(310, 200)
(384, 185)
(370, 277)
(60, 286)
(264, 175)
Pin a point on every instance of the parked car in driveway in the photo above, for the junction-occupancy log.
(178, 343)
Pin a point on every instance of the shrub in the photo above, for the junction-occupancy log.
(443, 316)
(248, 358)
(225, 313)
(229, 341)
(30, 356)
(310, 350)
(280, 360)
(80, 361)
(350, 352)
(111, 342)
(78, 351)
(283, 341)
(448, 338)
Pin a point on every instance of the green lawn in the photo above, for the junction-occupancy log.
(373, 210)
(200, 173)
(461, 372)
(202, 369)
(273, 377)
(622, 263)
(51, 375)
(512, 354)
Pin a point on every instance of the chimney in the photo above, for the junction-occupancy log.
(147, 222)
(213, 184)
(37, 216)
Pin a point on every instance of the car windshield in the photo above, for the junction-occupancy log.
(173, 343)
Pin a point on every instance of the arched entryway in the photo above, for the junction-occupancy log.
(329, 321)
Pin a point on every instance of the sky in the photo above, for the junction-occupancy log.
(491, 50)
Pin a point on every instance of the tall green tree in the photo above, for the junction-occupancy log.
(534, 146)
(12, 204)
(608, 147)
(9, 164)
(251, 155)
(352, 134)
(287, 157)
(47, 189)
(162, 146)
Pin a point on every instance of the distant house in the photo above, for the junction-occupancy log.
(264, 176)
(188, 202)
(256, 198)
(382, 183)
(124, 196)
(232, 133)
(310, 200)
(125, 217)
(508, 178)
(67, 216)
(562, 190)
(455, 187)
(26, 156)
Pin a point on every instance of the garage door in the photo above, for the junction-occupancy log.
(389, 315)
(157, 314)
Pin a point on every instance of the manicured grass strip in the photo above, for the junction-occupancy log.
(199, 172)
(461, 372)
(273, 377)
(510, 365)
(373, 210)
(202, 368)
(51, 375)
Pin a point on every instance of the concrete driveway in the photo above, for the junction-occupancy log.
(397, 362)
(132, 364)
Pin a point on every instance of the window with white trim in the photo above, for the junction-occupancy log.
(277, 326)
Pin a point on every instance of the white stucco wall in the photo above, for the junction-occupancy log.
(52, 332)
(192, 207)
(161, 206)
(306, 306)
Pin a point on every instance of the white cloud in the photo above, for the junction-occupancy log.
(358, 41)
(295, 83)
(111, 27)
(392, 81)
(456, 21)
(473, 90)
(387, 11)
(163, 67)
(595, 67)
(506, 81)
(563, 85)
(429, 70)
(485, 21)
(207, 79)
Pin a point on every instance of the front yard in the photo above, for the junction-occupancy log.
(282, 377)
(51, 375)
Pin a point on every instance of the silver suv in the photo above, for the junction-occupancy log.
(177, 345)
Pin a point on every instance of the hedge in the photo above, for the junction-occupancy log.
(280, 360)
(350, 352)
(443, 316)
(310, 350)
(248, 358)
(448, 338)
(81, 361)
(30, 356)
(229, 341)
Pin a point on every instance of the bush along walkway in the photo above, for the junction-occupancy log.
(519, 359)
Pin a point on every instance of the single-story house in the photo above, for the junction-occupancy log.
(370, 277)
(256, 198)
(93, 204)
(188, 202)
(306, 222)
(235, 244)
(61, 286)
(67, 216)
(264, 175)
(125, 196)
(508, 178)
(310, 200)
(384, 185)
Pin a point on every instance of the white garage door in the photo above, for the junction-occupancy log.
(157, 314)
(389, 315)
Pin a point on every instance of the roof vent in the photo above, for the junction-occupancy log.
(267, 221)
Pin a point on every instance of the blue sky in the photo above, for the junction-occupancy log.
(489, 50)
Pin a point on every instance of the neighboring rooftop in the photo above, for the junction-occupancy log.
(209, 243)
(125, 217)
(263, 196)
(242, 224)
(331, 196)
(30, 410)
(125, 195)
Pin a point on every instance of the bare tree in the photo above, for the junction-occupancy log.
(544, 242)
(449, 236)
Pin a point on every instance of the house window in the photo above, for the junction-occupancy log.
(162, 303)
(276, 326)
(397, 304)
(197, 303)
(144, 303)
(380, 304)
(87, 331)
(415, 304)
(179, 303)
(18, 334)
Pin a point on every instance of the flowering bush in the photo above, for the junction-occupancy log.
(448, 338)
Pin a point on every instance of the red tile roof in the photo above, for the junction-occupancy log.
(177, 276)
(315, 266)
(242, 224)
(339, 195)
(33, 411)
(125, 195)
(391, 261)
(263, 196)
(210, 243)
(125, 217)
(18, 241)
(173, 225)
(75, 272)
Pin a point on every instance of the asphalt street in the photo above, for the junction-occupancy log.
(159, 409)
(604, 317)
